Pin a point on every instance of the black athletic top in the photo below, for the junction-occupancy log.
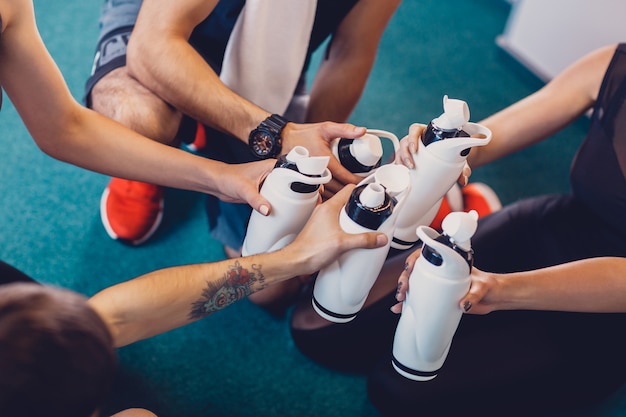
(598, 174)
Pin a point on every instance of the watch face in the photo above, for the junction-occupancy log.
(263, 143)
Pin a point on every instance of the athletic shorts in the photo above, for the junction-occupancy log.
(117, 19)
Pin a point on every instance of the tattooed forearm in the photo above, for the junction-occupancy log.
(236, 284)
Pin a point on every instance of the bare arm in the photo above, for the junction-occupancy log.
(172, 297)
(534, 118)
(67, 131)
(547, 111)
(161, 58)
(590, 285)
(341, 77)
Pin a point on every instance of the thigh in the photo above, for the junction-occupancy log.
(542, 231)
(514, 363)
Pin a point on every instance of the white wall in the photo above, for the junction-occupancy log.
(548, 35)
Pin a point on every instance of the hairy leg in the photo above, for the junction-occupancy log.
(122, 98)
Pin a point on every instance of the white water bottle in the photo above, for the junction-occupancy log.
(342, 287)
(431, 312)
(439, 161)
(292, 188)
(363, 155)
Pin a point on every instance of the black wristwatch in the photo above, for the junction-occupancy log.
(265, 141)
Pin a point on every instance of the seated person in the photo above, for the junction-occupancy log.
(562, 256)
(57, 348)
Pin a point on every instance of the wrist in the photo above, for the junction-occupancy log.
(507, 294)
(265, 141)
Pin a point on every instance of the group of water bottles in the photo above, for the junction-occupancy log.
(401, 203)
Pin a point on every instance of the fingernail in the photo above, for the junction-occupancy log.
(398, 288)
(412, 147)
(264, 210)
(467, 305)
(381, 240)
(406, 266)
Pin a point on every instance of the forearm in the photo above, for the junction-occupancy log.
(343, 74)
(87, 139)
(337, 88)
(193, 88)
(591, 285)
(170, 298)
(540, 115)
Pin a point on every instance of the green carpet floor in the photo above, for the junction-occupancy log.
(241, 361)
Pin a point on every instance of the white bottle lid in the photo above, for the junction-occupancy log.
(455, 114)
(460, 226)
(373, 195)
(307, 165)
(367, 149)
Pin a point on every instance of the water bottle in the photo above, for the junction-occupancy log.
(431, 312)
(341, 288)
(363, 155)
(292, 189)
(439, 161)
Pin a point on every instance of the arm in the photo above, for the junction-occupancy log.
(535, 117)
(172, 297)
(540, 115)
(67, 131)
(161, 58)
(591, 285)
(341, 77)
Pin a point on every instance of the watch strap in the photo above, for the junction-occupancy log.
(276, 123)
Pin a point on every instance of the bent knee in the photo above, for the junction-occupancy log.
(122, 98)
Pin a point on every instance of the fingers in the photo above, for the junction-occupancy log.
(396, 308)
(332, 130)
(405, 156)
(403, 280)
(471, 302)
(409, 145)
(465, 174)
(260, 204)
(415, 132)
(254, 198)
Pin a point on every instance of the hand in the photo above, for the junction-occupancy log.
(240, 183)
(409, 146)
(480, 299)
(317, 138)
(322, 240)
(403, 280)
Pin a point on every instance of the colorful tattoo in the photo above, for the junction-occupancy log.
(237, 284)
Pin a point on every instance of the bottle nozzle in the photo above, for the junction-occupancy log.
(460, 226)
(373, 195)
(455, 114)
(308, 165)
(368, 149)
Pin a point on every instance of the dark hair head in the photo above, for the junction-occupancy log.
(56, 353)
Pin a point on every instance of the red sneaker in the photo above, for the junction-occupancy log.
(474, 196)
(199, 141)
(452, 201)
(131, 211)
(480, 197)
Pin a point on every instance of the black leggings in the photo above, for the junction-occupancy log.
(504, 363)
(9, 274)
